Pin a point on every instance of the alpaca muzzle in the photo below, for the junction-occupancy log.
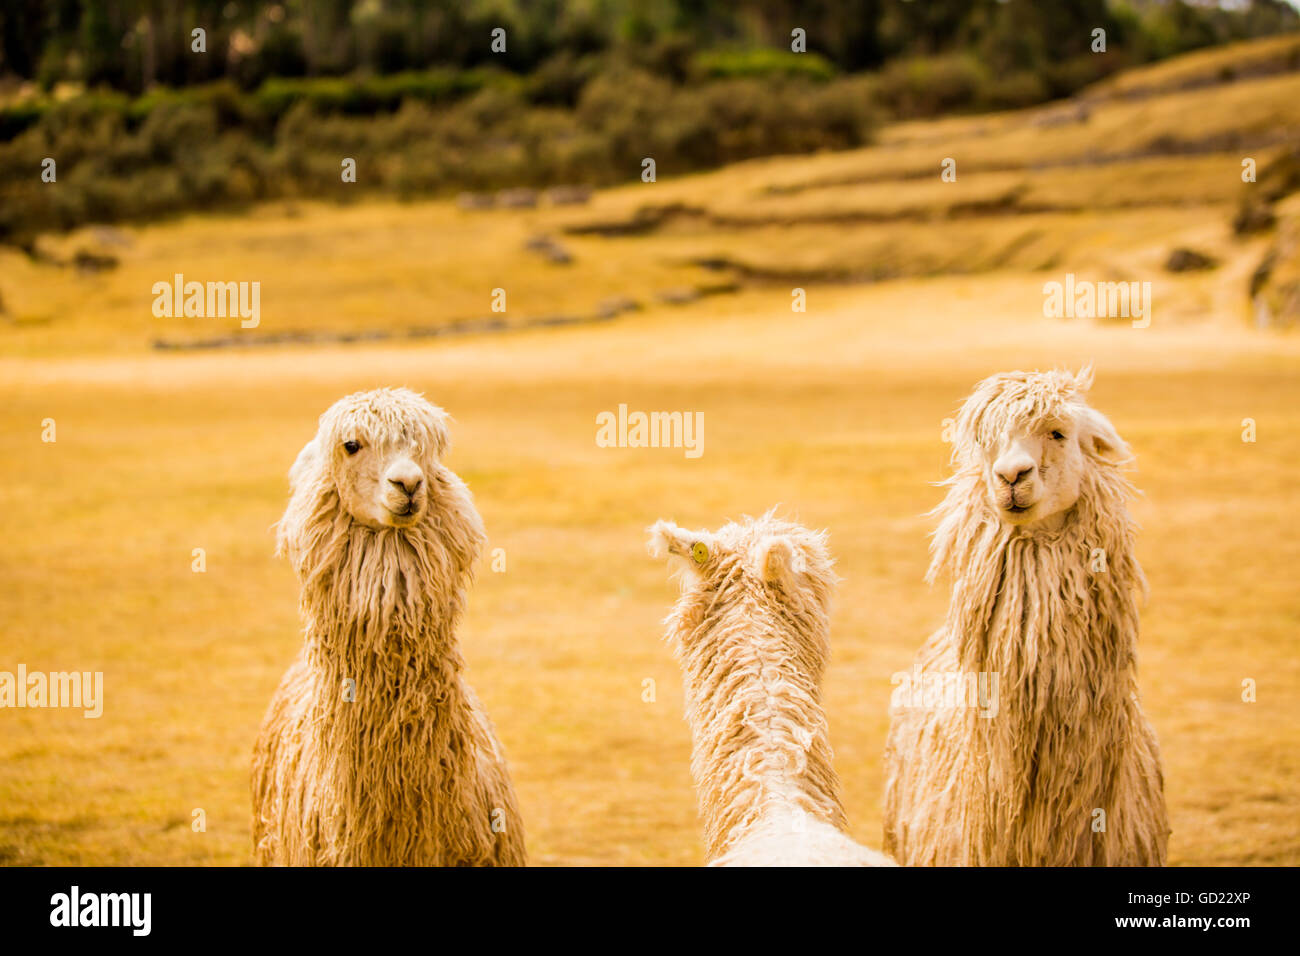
(1012, 482)
(1015, 498)
(404, 508)
(405, 495)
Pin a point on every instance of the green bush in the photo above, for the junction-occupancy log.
(927, 86)
(18, 117)
(763, 63)
(560, 80)
(361, 96)
(215, 146)
(1023, 88)
(1069, 76)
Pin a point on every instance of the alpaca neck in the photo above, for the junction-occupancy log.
(1047, 606)
(760, 741)
(1054, 614)
(381, 645)
(390, 594)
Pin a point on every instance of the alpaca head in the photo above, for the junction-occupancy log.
(740, 570)
(1033, 438)
(377, 452)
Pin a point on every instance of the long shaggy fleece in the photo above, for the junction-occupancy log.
(1069, 739)
(410, 771)
(751, 631)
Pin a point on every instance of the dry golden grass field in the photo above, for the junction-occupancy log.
(915, 290)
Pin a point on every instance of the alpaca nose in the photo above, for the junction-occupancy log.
(406, 476)
(408, 485)
(1011, 470)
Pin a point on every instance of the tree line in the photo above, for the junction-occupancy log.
(133, 45)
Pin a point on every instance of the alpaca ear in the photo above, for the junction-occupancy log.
(666, 538)
(1083, 380)
(1100, 439)
(440, 434)
(691, 547)
(780, 561)
(304, 464)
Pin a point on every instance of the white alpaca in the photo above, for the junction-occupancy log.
(374, 750)
(1035, 530)
(751, 632)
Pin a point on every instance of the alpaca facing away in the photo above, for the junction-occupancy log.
(1064, 770)
(375, 751)
(751, 632)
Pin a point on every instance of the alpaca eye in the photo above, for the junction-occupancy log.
(1058, 436)
(352, 446)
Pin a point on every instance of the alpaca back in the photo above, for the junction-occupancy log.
(751, 632)
(784, 839)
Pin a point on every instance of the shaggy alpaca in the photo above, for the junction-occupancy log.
(374, 750)
(751, 632)
(1036, 534)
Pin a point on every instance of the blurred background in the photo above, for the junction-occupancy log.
(799, 269)
(144, 125)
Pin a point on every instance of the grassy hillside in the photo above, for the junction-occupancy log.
(1110, 186)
